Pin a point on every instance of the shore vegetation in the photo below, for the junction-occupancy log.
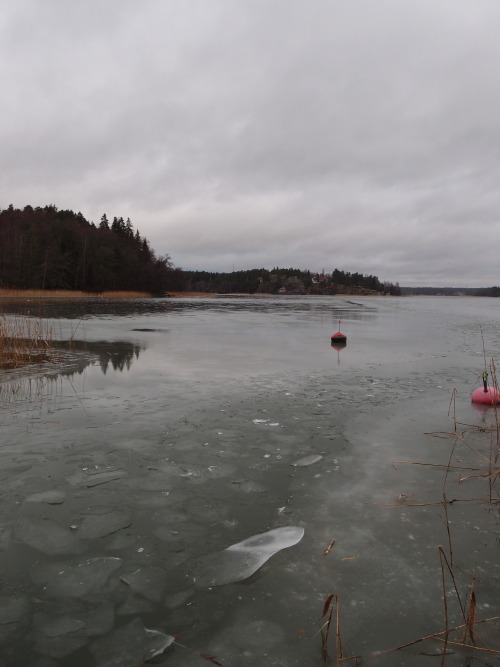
(24, 341)
(58, 251)
(51, 249)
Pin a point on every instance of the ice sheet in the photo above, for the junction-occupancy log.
(241, 560)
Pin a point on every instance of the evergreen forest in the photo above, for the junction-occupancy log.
(51, 249)
(47, 248)
(286, 281)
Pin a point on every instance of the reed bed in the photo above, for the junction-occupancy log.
(23, 341)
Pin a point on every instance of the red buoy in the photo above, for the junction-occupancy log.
(490, 396)
(338, 338)
(485, 394)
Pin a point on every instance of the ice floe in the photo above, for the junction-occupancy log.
(51, 497)
(55, 626)
(12, 609)
(97, 478)
(307, 461)
(47, 536)
(149, 582)
(134, 605)
(129, 645)
(102, 524)
(156, 643)
(84, 578)
(59, 634)
(241, 560)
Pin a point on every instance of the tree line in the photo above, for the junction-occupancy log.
(50, 249)
(47, 248)
(286, 281)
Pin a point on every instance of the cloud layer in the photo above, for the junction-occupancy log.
(360, 135)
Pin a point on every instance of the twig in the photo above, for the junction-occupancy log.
(476, 648)
(462, 440)
(328, 548)
(440, 502)
(327, 611)
(471, 615)
(445, 602)
(447, 523)
(205, 656)
(338, 639)
(452, 401)
(436, 465)
(435, 635)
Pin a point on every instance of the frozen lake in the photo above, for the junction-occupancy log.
(211, 470)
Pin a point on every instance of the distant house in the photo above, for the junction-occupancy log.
(282, 290)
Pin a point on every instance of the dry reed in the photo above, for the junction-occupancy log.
(24, 340)
(328, 609)
(487, 455)
(490, 471)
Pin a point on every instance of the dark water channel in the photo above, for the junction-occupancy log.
(173, 429)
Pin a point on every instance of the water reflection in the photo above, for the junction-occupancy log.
(338, 347)
(34, 383)
(28, 389)
(84, 308)
(87, 308)
(118, 355)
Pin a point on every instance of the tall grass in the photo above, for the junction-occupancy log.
(24, 340)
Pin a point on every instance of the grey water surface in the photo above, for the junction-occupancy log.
(206, 472)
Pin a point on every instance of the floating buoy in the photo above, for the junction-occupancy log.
(488, 396)
(339, 338)
(485, 394)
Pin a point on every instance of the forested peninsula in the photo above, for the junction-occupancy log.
(51, 249)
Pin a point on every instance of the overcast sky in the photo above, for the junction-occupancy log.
(362, 135)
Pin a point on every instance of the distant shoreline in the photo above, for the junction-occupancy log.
(20, 294)
(120, 294)
(68, 294)
(77, 294)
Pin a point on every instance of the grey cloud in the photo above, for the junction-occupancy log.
(361, 135)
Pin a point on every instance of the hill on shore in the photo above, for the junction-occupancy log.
(44, 248)
(50, 249)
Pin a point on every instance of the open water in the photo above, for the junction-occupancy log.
(176, 428)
